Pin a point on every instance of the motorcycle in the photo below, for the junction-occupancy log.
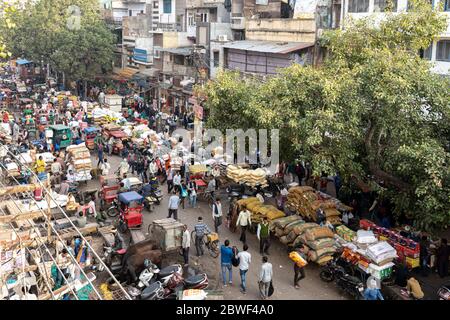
(349, 284)
(148, 275)
(444, 292)
(113, 259)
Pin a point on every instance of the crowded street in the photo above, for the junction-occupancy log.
(237, 151)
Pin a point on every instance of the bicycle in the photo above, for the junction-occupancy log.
(211, 241)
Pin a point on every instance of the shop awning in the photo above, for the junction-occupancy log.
(22, 61)
(125, 74)
(268, 46)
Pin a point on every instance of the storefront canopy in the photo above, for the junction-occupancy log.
(179, 51)
(124, 74)
(22, 61)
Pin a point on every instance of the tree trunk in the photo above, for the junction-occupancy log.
(84, 89)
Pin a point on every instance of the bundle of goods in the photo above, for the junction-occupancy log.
(250, 177)
(103, 116)
(197, 169)
(318, 242)
(141, 131)
(259, 210)
(408, 250)
(12, 169)
(381, 253)
(80, 158)
(345, 233)
(365, 238)
(306, 201)
(282, 227)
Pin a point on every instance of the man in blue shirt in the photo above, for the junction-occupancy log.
(226, 254)
(174, 201)
(372, 292)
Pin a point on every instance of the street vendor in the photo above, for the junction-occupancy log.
(40, 165)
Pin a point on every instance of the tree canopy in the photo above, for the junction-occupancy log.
(372, 110)
(7, 9)
(68, 34)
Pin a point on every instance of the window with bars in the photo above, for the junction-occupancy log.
(167, 6)
(426, 54)
(443, 50)
(385, 6)
(191, 20)
(356, 6)
(203, 17)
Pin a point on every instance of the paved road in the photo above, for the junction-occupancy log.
(310, 288)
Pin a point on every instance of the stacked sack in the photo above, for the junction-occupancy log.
(381, 253)
(306, 201)
(80, 158)
(259, 210)
(285, 228)
(250, 177)
(318, 242)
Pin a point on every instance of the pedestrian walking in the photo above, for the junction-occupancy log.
(174, 202)
(226, 255)
(442, 258)
(192, 189)
(263, 234)
(183, 193)
(56, 171)
(185, 245)
(217, 214)
(169, 174)
(299, 270)
(200, 230)
(265, 278)
(244, 221)
(177, 181)
(245, 258)
(100, 154)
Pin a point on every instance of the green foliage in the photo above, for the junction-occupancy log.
(372, 109)
(7, 11)
(79, 44)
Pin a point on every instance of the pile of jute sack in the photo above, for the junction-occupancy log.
(318, 242)
(306, 201)
(259, 210)
(80, 158)
(250, 177)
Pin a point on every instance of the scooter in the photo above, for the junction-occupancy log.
(148, 275)
(444, 292)
(349, 284)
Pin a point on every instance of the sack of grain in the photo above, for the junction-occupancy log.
(315, 255)
(331, 212)
(321, 243)
(301, 228)
(318, 233)
(283, 222)
(291, 225)
(299, 241)
(284, 240)
(323, 260)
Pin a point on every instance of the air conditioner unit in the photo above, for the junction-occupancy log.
(223, 37)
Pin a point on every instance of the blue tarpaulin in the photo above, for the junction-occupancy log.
(90, 129)
(128, 197)
(22, 61)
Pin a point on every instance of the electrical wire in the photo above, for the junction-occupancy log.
(73, 225)
(62, 241)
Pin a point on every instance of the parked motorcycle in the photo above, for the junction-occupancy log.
(349, 284)
(444, 292)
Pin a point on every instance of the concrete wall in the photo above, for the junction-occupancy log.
(296, 30)
(216, 46)
(139, 25)
(272, 9)
(217, 29)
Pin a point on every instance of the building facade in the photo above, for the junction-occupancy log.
(439, 51)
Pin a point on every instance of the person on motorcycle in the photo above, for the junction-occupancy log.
(118, 240)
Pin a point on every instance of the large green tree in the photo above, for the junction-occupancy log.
(70, 35)
(7, 10)
(373, 109)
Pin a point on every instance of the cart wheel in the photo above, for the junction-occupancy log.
(112, 212)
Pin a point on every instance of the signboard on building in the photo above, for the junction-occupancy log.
(140, 55)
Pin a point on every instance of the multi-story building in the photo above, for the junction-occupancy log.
(273, 34)
(438, 53)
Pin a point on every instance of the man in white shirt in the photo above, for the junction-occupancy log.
(265, 277)
(244, 221)
(177, 182)
(186, 244)
(245, 258)
(56, 171)
(105, 167)
(126, 182)
(217, 214)
(70, 177)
